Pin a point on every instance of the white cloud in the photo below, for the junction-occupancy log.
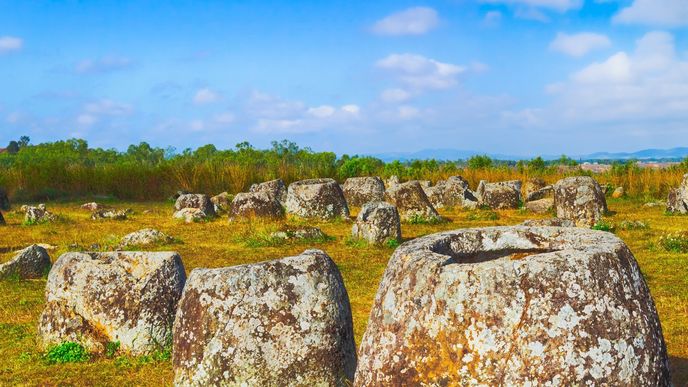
(205, 96)
(557, 5)
(10, 44)
(408, 112)
(419, 72)
(412, 21)
(395, 95)
(647, 87)
(531, 14)
(579, 44)
(197, 125)
(102, 65)
(666, 13)
(354, 110)
(492, 18)
(321, 111)
(86, 119)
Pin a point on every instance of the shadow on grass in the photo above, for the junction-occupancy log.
(679, 370)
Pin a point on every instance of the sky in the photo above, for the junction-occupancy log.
(519, 77)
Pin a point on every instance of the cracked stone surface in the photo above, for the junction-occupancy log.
(361, 190)
(221, 202)
(31, 262)
(378, 222)
(38, 214)
(285, 322)
(146, 236)
(96, 298)
(579, 199)
(411, 201)
(255, 205)
(317, 198)
(275, 188)
(513, 306)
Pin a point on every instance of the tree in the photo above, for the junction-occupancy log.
(13, 148)
(536, 165)
(480, 162)
(24, 141)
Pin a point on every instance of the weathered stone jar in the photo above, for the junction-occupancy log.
(318, 199)
(285, 322)
(125, 297)
(513, 306)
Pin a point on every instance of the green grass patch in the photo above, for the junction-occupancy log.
(674, 243)
(67, 352)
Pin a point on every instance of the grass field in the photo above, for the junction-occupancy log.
(218, 243)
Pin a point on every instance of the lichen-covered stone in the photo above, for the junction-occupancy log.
(361, 190)
(392, 181)
(453, 192)
(92, 206)
(110, 214)
(513, 306)
(250, 205)
(190, 215)
(542, 193)
(411, 201)
(275, 188)
(38, 214)
(378, 222)
(579, 199)
(304, 233)
(31, 262)
(145, 237)
(551, 222)
(221, 202)
(317, 198)
(199, 201)
(540, 206)
(279, 323)
(677, 201)
(500, 195)
(532, 185)
(96, 298)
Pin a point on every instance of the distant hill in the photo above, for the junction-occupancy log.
(457, 154)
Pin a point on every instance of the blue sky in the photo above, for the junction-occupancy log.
(522, 77)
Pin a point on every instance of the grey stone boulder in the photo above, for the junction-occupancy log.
(249, 205)
(411, 201)
(29, 263)
(285, 322)
(92, 206)
(377, 223)
(540, 206)
(221, 202)
(110, 214)
(361, 190)
(317, 198)
(302, 233)
(453, 192)
(190, 215)
(551, 222)
(500, 195)
(145, 237)
(275, 188)
(677, 201)
(125, 297)
(542, 193)
(198, 201)
(392, 181)
(532, 185)
(38, 214)
(513, 306)
(579, 199)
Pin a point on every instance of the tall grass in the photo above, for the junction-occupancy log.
(71, 169)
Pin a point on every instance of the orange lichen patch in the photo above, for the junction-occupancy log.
(519, 256)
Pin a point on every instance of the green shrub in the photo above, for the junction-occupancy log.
(111, 348)
(392, 243)
(67, 352)
(603, 225)
(675, 243)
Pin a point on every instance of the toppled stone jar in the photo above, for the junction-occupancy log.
(513, 306)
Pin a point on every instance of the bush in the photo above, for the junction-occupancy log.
(675, 243)
(67, 352)
(603, 225)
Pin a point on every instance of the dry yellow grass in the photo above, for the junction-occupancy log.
(218, 244)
